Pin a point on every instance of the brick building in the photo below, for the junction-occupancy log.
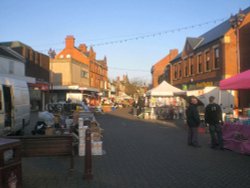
(36, 66)
(157, 69)
(77, 70)
(98, 70)
(211, 57)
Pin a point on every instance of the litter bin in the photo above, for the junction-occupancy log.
(10, 163)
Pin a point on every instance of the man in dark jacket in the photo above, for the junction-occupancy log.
(213, 117)
(193, 122)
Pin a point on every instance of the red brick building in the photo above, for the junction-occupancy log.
(157, 69)
(211, 57)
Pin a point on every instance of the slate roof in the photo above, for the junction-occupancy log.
(194, 42)
(211, 35)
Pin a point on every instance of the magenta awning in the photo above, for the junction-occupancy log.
(239, 81)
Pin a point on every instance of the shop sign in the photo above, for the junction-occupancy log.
(199, 85)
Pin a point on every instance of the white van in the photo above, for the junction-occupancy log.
(14, 105)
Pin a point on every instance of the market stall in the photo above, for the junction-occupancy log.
(236, 130)
(164, 102)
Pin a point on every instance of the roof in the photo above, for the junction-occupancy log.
(194, 42)
(9, 53)
(210, 36)
(164, 89)
(14, 44)
(219, 31)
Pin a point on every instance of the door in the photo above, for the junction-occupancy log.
(7, 106)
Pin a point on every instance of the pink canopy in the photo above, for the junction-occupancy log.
(239, 81)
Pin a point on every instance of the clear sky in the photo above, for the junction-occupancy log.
(45, 24)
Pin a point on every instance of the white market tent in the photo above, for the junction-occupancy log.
(165, 89)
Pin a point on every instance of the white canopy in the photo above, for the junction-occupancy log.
(165, 89)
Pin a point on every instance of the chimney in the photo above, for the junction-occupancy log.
(83, 48)
(173, 53)
(70, 41)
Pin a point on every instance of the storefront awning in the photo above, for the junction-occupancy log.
(39, 86)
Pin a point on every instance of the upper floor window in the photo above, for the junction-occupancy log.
(191, 64)
(175, 72)
(180, 71)
(11, 67)
(216, 58)
(186, 73)
(207, 61)
(1, 100)
(199, 63)
(84, 74)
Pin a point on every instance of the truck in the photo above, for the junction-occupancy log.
(14, 105)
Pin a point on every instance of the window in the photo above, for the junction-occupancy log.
(84, 74)
(186, 68)
(180, 71)
(175, 72)
(11, 67)
(199, 62)
(216, 58)
(207, 61)
(1, 103)
(191, 64)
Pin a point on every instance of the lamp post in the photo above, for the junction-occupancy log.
(236, 21)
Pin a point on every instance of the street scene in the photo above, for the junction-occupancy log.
(124, 94)
(141, 153)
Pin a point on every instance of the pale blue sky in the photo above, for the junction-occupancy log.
(45, 24)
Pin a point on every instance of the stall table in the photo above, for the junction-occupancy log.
(237, 137)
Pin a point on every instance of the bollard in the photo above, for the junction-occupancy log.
(88, 157)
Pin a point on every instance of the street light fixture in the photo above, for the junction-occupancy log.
(236, 21)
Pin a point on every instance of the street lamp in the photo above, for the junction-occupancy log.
(236, 21)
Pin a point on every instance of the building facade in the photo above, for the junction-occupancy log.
(157, 69)
(98, 70)
(36, 66)
(211, 57)
(76, 69)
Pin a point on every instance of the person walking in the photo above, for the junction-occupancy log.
(193, 122)
(213, 118)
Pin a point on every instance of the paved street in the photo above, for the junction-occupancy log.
(143, 154)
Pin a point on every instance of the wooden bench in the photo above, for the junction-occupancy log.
(46, 146)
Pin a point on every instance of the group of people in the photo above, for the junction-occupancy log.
(213, 118)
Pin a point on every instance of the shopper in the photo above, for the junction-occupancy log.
(193, 122)
(213, 117)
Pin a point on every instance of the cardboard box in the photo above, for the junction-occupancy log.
(96, 148)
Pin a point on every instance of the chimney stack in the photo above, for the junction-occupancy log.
(70, 41)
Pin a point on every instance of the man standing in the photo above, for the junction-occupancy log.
(213, 117)
(193, 122)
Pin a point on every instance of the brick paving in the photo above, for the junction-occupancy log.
(143, 154)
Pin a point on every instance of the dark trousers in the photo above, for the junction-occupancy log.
(193, 135)
(216, 135)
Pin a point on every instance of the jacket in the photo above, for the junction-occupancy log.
(193, 117)
(213, 114)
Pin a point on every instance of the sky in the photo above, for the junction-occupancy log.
(132, 34)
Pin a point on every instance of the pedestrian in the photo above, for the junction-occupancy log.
(213, 118)
(193, 122)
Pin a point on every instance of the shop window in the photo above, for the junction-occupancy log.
(216, 58)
